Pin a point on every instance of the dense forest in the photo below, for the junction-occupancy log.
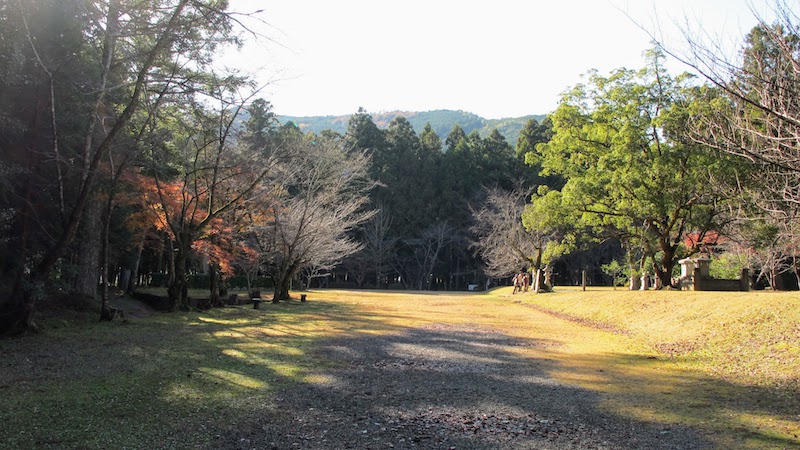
(128, 158)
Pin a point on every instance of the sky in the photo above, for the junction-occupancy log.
(498, 58)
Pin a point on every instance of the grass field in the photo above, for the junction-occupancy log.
(724, 361)
(727, 364)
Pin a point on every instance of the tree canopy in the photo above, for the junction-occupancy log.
(621, 144)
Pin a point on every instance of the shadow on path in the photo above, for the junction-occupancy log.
(446, 387)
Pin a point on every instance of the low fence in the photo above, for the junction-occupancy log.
(700, 282)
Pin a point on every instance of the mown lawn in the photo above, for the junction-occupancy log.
(726, 364)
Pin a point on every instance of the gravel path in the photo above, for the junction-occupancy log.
(444, 387)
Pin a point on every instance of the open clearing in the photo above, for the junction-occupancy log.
(366, 369)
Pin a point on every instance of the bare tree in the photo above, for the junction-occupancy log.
(378, 246)
(425, 253)
(767, 241)
(500, 237)
(753, 112)
(322, 196)
(512, 234)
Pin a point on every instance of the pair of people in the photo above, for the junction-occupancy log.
(522, 282)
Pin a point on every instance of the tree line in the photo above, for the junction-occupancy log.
(635, 169)
(442, 122)
(126, 152)
(426, 190)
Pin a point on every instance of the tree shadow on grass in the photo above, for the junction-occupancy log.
(733, 415)
(165, 381)
(447, 387)
(323, 376)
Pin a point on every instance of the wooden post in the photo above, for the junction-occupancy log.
(583, 280)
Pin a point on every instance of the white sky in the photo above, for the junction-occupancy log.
(498, 58)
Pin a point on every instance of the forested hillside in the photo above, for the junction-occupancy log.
(442, 121)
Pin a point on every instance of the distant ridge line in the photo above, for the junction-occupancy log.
(442, 121)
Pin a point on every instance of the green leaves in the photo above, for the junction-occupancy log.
(621, 144)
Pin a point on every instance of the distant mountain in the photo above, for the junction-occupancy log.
(441, 120)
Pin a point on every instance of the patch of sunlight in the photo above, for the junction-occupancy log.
(371, 331)
(261, 347)
(438, 353)
(184, 392)
(269, 362)
(769, 426)
(594, 381)
(233, 378)
(219, 321)
(229, 333)
(285, 370)
(527, 379)
(320, 379)
(235, 353)
(287, 350)
(523, 352)
(645, 413)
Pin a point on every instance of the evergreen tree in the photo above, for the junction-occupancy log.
(620, 142)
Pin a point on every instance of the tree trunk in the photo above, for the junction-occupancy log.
(105, 308)
(170, 251)
(773, 279)
(214, 284)
(17, 310)
(89, 251)
(21, 314)
(535, 268)
(248, 279)
(283, 284)
(178, 290)
(378, 275)
(664, 272)
(160, 253)
(281, 291)
(135, 266)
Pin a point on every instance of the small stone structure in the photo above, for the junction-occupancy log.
(695, 276)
